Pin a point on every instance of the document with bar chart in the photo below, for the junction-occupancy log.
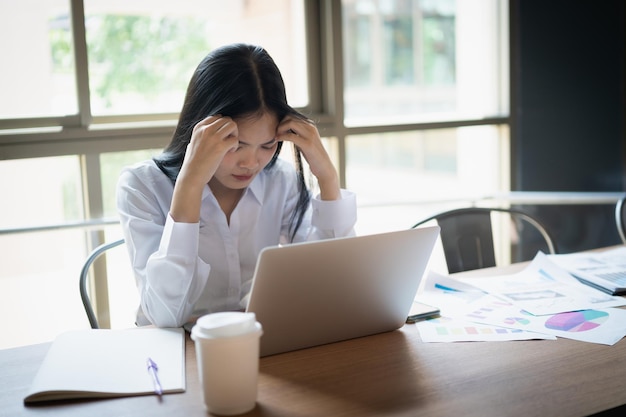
(446, 329)
(603, 270)
(604, 326)
(455, 299)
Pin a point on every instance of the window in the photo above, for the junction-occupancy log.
(40, 191)
(38, 72)
(422, 60)
(412, 64)
(402, 177)
(40, 269)
(140, 54)
(414, 114)
(72, 116)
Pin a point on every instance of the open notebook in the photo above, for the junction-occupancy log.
(110, 363)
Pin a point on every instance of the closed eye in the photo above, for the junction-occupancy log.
(269, 145)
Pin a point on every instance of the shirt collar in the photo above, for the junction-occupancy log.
(256, 188)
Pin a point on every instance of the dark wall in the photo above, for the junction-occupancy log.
(567, 110)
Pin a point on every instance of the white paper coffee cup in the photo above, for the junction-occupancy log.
(227, 351)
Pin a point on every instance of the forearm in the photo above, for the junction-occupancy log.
(186, 201)
(329, 188)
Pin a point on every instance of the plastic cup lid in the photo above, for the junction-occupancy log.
(224, 324)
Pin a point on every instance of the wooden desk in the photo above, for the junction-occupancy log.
(391, 374)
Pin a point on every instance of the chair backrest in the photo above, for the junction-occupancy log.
(84, 274)
(468, 240)
(620, 218)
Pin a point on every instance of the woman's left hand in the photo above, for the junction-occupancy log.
(306, 137)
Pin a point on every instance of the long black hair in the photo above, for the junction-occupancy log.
(237, 80)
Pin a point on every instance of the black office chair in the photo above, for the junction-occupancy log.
(84, 274)
(620, 218)
(468, 240)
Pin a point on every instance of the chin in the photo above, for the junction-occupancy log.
(239, 185)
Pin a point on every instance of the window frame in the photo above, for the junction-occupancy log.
(88, 137)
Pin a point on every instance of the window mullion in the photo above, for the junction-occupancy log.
(81, 62)
(94, 209)
(333, 70)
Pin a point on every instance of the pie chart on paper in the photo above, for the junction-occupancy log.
(577, 321)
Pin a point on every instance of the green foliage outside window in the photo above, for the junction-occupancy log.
(142, 54)
(133, 54)
(439, 50)
(61, 46)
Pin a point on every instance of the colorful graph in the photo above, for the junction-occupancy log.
(472, 330)
(484, 312)
(447, 327)
(514, 320)
(577, 321)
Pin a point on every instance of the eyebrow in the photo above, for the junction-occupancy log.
(263, 144)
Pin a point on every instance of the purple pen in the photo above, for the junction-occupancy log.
(153, 368)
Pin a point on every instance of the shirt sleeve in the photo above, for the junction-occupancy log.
(163, 253)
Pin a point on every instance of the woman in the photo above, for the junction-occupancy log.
(196, 217)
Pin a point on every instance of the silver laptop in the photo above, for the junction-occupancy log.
(313, 293)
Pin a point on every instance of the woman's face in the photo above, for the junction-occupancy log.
(257, 145)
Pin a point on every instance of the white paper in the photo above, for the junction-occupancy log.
(463, 302)
(606, 326)
(446, 329)
(545, 288)
(606, 268)
(455, 299)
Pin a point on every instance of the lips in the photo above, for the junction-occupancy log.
(242, 177)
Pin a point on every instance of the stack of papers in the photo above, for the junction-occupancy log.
(605, 271)
(544, 301)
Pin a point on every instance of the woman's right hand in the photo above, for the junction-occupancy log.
(211, 139)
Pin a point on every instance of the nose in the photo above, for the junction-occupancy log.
(249, 160)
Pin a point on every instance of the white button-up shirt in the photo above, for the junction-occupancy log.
(184, 270)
